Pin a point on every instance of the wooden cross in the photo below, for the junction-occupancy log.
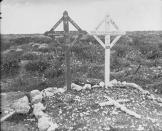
(66, 34)
(107, 45)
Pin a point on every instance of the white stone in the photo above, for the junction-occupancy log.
(38, 110)
(34, 93)
(114, 81)
(53, 126)
(124, 82)
(36, 96)
(140, 128)
(39, 106)
(60, 90)
(37, 99)
(95, 86)
(101, 84)
(43, 123)
(42, 46)
(77, 98)
(21, 105)
(38, 114)
(87, 86)
(76, 87)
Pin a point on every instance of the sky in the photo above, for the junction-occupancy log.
(38, 16)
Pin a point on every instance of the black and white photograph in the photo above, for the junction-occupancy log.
(81, 65)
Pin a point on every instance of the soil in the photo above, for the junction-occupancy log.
(79, 110)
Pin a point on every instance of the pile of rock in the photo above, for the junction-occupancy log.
(86, 86)
(34, 101)
(45, 122)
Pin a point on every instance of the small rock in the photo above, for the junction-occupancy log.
(37, 99)
(77, 98)
(43, 123)
(114, 82)
(38, 110)
(140, 128)
(124, 82)
(36, 96)
(101, 84)
(76, 87)
(87, 86)
(60, 90)
(96, 86)
(39, 106)
(52, 127)
(34, 93)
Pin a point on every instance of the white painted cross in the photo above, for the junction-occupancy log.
(107, 45)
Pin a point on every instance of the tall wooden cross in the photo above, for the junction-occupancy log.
(107, 21)
(67, 35)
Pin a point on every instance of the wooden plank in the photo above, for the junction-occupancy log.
(74, 24)
(100, 42)
(7, 116)
(107, 33)
(67, 52)
(123, 108)
(56, 25)
(107, 53)
(62, 33)
(99, 24)
(114, 41)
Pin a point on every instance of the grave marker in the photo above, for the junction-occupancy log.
(66, 34)
(107, 45)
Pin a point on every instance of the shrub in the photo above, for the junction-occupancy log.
(37, 66)
(10, 64)
(96, 71)
(53, 72)
(29, 56)
(28, 82)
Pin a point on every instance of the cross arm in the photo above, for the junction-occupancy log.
(62, 33)
(107, 33)
(114, 24)
(55, 26)
(98, 39)
(99, 24)
(114, 41)
(74, 24)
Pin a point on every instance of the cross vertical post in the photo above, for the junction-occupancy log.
(67, 51)
(107, 52)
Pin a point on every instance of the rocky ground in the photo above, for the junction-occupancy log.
(81, 110)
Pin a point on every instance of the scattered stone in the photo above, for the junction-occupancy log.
(53, 126)
(48, 92)
(114, 82)
(95, 86)
(43, 123)
(101, 84)
(87, 86)
(36, 96)
(38, 110)
(77, 98)
(39, 106)
(76, 87)
(43, 46)
(140, 128)
(60, 90)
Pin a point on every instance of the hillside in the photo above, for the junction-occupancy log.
(36, 62)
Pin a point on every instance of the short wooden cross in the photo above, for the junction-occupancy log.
(66, 34)
(107, 45)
